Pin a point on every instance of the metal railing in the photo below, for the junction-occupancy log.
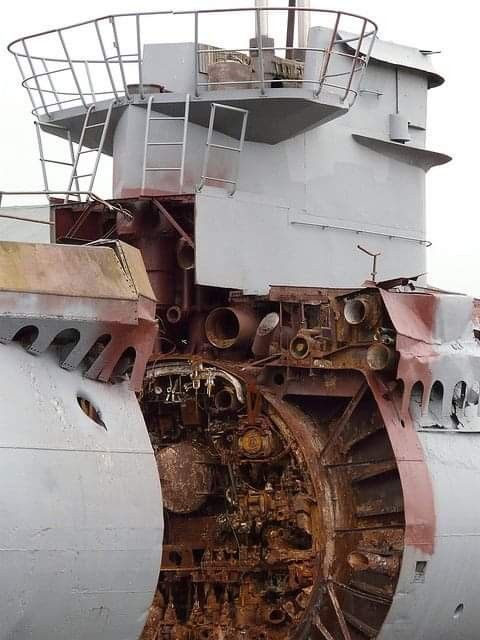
(88, 62)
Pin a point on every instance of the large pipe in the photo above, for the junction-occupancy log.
(231, 327)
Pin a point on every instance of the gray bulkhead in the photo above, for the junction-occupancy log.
(301, 206)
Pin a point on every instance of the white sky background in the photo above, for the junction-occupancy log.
(452, 190)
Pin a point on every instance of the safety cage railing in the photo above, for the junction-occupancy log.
(102, 59)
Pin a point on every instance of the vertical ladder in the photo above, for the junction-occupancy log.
(210, 145)
(39, 126)
(176, 143)
(87, 125)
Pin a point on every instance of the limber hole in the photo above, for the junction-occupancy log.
(420, 570)
(458, 611)
(91, 411)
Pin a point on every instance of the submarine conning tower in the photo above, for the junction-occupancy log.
(295, 150)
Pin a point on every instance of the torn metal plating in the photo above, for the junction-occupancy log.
(94, 302)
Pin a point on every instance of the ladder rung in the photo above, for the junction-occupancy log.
(168, 118)
(92, 126)
(88, 151)
(163, 168)
(66, 164)
(164, 144)
(82, 175)
(222, 146)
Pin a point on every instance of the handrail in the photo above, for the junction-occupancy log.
(77, 79)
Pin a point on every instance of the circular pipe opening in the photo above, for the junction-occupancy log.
(224, 400)
(185, 255)
(276, 616)
(380, 357)
(222, 328)
(174, 314)
(355, 311)
(299, 347)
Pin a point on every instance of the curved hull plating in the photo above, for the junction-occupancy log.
(80, 515)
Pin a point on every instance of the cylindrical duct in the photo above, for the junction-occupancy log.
(399, 128)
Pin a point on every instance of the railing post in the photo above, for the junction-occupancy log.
(139, 55)
(258, 33)
(355, 58)
(196, 65)
(35, 78)
(72, 69)
(90, 83)
(24, 77)
(327, 55)
(107, 64)
(52, 86)
(42, 155)
(120, 59)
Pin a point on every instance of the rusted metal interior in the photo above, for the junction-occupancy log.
(284, 511)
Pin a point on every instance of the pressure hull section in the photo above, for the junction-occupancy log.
(80, 509)
(437, 595)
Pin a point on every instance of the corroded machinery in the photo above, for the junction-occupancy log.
(315, 427)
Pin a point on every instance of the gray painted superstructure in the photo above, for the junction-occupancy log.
(319, 172)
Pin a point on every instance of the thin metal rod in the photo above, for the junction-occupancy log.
(42, 156)
(72, 156)
(357, 51)
(116, 43)
(72, 69)
(29, 91)
(258, 31)
(240, 148)
(37, 84)
(321, 627)
(323, 226)
(107, 63)
(327, 56)
(174, 223)
(90, 84)
(139, 52)
(190, 12)
(52, 86)
(22, 219)
(145, 145)
(184, 146)
(341, 618)
(207, 150)
(100, 145)
(74, 173)
(197, 54)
